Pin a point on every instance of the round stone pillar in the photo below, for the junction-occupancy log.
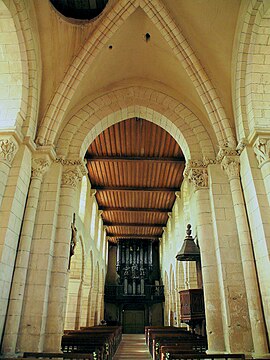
(231, 165)
(72, 174)
(198, 175)
(39, 167)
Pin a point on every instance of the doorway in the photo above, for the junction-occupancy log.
(133, 321)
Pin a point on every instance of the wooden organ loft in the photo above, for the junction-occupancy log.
(135, 299)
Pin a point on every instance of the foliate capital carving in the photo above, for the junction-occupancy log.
(241, 145)
(262, 149)
(198, 177)
(8, 149)
(71, 177)
(39, 167)
(196, 172)
(73, 163)
(231, 165)
(226, 151)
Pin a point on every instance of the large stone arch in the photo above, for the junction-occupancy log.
(24, 75)
(163, 110)
(108, 25)
(252, 57)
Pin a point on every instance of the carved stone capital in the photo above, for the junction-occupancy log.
(241, 145)
(196, 172)
(71, 177)
(262, 149)
(226, 151)
(231, 165)
(8, 149)
(39, 167)
(199, 178)
(72, 163)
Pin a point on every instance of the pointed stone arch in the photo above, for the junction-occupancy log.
(109, 24)
(134, 101)
(26, 65)
(246, 65)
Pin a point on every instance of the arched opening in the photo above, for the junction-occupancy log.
(83, 194)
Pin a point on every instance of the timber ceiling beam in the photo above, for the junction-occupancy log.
(136, 188)
(135, 209)
(108, 223)
(172, 160)
(132, 236)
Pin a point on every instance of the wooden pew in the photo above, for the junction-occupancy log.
(166, 330)
(149, 329)
(204, 356)
(101, 340)
(184, 348)
(193, 342)
(51, 355)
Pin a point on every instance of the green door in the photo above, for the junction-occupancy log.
(133, 322)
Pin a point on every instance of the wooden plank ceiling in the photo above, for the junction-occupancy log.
(136, 168)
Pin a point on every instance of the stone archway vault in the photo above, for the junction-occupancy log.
(184, 126)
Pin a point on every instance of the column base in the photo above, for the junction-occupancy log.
(11, 355)
(260, 356)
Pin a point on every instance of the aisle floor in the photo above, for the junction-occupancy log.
(132, 347)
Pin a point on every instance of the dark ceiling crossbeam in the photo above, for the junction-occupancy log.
(172, 160)
(149, 225)
(132, 236)
(135, 188)
(135, 209)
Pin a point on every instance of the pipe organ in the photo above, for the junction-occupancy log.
(134, 264)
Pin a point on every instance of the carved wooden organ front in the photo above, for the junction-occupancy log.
(134, 264)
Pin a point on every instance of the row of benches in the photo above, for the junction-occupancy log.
(169, 342)
(89, 343)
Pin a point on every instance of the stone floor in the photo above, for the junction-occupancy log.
(132, 347)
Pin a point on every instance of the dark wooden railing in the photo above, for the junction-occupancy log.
(151, 293)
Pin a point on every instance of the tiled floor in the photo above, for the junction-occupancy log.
(132, 347)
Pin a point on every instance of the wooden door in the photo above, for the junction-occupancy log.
(133, 322)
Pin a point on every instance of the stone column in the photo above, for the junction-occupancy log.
(262, 151)
(212, 299)
(259, 220)
(72, 174)
(8, 149)
(39, 167)
(231, 165)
